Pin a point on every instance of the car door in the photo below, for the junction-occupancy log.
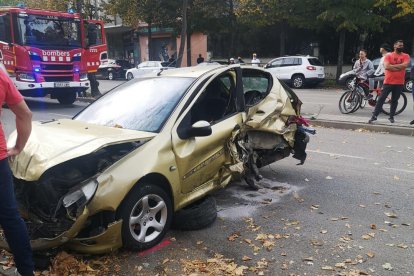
(274, 67)
(289, 68)
(95, 44)
(201, 160)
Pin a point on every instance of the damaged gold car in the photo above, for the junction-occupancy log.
(115, 174)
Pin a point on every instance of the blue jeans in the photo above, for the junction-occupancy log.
(13, 226)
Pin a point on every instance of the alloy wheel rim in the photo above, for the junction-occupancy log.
(148, 218)
(297, 82)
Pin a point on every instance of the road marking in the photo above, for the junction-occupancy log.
(62, 115)
(399, 170)
(337, 154)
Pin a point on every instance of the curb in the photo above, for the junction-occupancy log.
(398, 130)
(85, 99)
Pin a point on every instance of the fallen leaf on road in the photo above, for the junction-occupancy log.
(390, 214)
(316, 242)
(396, 177)
(199, 242)
(308, 259)
(314, 207)
(371, 254)
(405, 224)
(387, 266)
(246, 258)
(401, 245)
(373, 226)
(362, 206)
(334, 219)
(233, 236)
(328, 177)
(307, 180)
(324, 231)
(327, 268)
(340, 265)
(165, 261)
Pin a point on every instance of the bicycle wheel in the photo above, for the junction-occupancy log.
(349, 102)
(402, 104)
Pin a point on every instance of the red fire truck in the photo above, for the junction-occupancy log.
(50, 52)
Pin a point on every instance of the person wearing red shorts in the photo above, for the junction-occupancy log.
(394, 64)
(13, 226)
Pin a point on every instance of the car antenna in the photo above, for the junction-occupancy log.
(159, 73)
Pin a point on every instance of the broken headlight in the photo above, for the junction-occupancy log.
(81, 196)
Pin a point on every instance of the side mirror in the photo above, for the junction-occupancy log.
(198, 129)
(266, 66)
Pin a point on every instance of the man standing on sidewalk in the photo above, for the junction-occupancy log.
(13, 226)
(394, 64)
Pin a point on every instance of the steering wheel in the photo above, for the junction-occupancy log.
(252, 97)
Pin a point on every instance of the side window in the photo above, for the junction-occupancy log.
(277, 63)
(5, 33)
(93, 33)
(288, 62)
(298, 61)
(256, 86)
(217, 100)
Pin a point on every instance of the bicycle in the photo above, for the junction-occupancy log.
(360, 95)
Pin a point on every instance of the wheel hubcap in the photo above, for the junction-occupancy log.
(297, 82)
(148, 218)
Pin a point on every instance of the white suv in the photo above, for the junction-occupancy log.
(297, 71)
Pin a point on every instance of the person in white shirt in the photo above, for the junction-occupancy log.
(255, 60)
(379, 73)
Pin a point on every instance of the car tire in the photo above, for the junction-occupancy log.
(408, 85)
(130, 76)
(298, 81)
(197, 215)
(146, 215)
(67, 98)
(110, 76)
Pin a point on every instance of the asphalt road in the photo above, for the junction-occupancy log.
(348, 208)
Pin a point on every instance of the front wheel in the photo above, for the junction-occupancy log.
(349, 102)
(130, 76)
(402, 104)
(67, 98)
(298, 81)
(146, 216)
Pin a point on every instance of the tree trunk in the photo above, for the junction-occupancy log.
(189, 48)
(150, 41)
(183, 33)
(282, 39)
(233, 28)
(340, 53)
(79, 6)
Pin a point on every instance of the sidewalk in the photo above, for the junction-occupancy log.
(354, 122)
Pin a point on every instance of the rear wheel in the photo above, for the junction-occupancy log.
(146, 216)
(408, 85)
(130, 76)
(402, 104)
(67, 98)
(298, 81)
(111, 76)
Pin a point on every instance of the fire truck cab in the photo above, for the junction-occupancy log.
(50, 52)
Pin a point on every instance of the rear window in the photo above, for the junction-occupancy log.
(314, 62)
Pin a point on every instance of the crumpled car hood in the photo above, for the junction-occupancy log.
(58, 141)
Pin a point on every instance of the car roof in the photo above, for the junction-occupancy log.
(193, 71)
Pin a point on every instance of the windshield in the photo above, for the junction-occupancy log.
(49, 31)
(140, 104)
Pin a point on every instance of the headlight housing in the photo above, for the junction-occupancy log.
(25, 77)
(80, 197)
